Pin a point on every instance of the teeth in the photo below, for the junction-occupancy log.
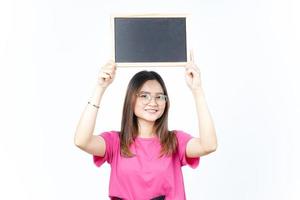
(151, 110)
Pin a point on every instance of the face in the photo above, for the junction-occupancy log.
(150, 111)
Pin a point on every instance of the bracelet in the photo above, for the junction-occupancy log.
(94, 105)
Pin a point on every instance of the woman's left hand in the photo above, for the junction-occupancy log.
(192, 74)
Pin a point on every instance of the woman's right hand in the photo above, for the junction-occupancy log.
(107, 74)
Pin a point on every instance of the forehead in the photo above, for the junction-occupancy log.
(152, 86)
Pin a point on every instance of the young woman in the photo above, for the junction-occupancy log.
(145, 157)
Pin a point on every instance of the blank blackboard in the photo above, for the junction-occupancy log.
(146, 39)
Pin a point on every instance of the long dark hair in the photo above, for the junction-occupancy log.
(129, 125)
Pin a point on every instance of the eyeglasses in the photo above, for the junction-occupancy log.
(146, 98)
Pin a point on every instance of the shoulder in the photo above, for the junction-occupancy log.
(182, 135)
(110, 135)
(112, 132)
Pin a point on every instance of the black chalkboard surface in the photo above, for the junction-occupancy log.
(150, 39)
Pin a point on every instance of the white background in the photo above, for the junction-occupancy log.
(248, 53)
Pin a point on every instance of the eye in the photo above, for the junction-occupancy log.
(161, 97)
(145, 96)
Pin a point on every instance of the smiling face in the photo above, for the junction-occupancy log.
(150, 111)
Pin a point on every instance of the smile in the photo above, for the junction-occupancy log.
(151, 110)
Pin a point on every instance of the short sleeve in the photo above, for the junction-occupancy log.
(183, 139)
(111, 142)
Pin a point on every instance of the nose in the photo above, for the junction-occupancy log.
(152, 101)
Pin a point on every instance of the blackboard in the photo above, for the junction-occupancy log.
(146, 39)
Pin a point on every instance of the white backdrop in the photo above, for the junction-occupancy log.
(248, 53)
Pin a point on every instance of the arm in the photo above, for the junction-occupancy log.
(207, 140)
(84, 138)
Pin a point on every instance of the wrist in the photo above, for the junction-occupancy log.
(100, 88)
(197, 90)
(94, 105)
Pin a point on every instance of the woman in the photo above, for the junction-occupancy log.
(145, 157)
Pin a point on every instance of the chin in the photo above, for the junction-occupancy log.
(150, 118)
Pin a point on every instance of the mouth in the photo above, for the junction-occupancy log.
(151, 110)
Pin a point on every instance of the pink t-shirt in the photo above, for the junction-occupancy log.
(146, 176)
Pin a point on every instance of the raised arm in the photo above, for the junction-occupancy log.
(84, 138)
(207, 141)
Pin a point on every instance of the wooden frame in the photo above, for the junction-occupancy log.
(150, 64)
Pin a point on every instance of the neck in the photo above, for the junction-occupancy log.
(146, 129)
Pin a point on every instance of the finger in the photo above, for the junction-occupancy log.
(192, 66)
(108, 75)
(104, 74)
(113, 64)
(105, 77)
(192, 72)
(110, 71)
(110, 65)
(188, 65)
(191, 56)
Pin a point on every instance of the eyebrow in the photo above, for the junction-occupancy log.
(150, 93)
